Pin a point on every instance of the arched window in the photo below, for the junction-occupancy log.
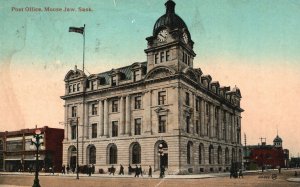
(189, 152)
(211, 154)
(219, 155)
(113, 154)
(136, 154)
(92, 155)
(226, 156)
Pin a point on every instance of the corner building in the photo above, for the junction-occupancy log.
(124, 114)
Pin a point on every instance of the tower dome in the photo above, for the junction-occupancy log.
(277, 141)
(169, 19)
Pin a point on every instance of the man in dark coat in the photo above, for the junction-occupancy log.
(150, 172)
(137, 171)
(121, 170)
(141, 171)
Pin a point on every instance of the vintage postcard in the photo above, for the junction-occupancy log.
(149, 92)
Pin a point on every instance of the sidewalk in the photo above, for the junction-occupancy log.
(293, 179)
(199, 176)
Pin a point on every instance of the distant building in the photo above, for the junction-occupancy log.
(17, 155)
(269, 156)
(127, 114)
(295, 162)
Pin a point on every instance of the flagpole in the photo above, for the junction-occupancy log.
(83, 47)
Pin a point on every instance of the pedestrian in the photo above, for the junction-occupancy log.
(129, 169)
(89, 170)
(141, 171)
(68, 169)
(279, 169)
(241, 173)
(121, 170)
(162, 171)
(112, 170)
(63, 171)
(93, 168)
(136, 171)
(150, 172)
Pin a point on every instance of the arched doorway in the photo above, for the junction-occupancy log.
(163, 158)
(91, 154)
(72, 152)
(112, 154)
(135, 153)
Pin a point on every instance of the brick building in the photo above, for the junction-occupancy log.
(270, 156)
(17, 154)
(125, 114)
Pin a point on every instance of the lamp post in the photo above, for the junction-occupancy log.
(37, 142)
(161, 154)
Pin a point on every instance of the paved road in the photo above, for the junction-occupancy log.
(255, 179)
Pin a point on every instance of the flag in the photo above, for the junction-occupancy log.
(77, 29)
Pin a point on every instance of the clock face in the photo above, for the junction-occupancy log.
(162, 35)
(185, 37)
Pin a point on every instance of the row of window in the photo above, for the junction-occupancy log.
(115, 126)
(74, 88)
(115, 104)
(135, 154)
(162, 56)
(186, 58)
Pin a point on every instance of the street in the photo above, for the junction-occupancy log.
(254, 179)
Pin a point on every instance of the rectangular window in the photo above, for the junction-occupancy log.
(74, 111)
(135, 75)
(114, 106)
(114, 80)
(161, 97)
(94, 130)
(188, 60)
(138, 102)
(114, 128)
(187, 124)
(74, 88)
(167, 55)
(73, 132)
(197, 127)
(162, 56)
(156, 58)
(187, 99)
(94, 109)
(70, 89)
(94, 85)
(162, 121)
(78, 87)
(197, 104)
(137, 126)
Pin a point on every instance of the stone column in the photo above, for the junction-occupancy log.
(220, 124)
(122, 120)
(212, 120)
(202, 115)
(101, 126)
(105, 120)
(66, 123)
(127, 119)
(86, 120)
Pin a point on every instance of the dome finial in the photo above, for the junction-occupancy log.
(170, 7)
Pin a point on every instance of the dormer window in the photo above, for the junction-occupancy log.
(94, 85)
(114, 80)
(136, 74)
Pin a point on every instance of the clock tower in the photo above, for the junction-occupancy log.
(170, 44)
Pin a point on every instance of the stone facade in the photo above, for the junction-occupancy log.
(123, 115)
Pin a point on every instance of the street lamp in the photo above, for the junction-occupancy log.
(37, 142)
(161, 154)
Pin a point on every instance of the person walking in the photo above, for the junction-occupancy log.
(150, 172)
(112, 170)
(63, 171)
(129, 169)
(121, 170)
(68, 169)
(136, 171)
(141, 171)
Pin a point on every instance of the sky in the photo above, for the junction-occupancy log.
(253, 44)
